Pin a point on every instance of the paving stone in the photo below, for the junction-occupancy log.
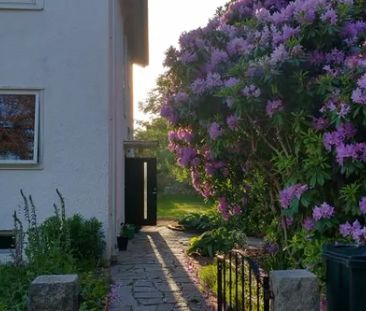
(165, 307)
(167, 288)
(151, 301)
(143, 283)
(144, 289)
(155, 294)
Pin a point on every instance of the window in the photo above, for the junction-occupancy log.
(22, 4)
(19, 127)
(7, 239)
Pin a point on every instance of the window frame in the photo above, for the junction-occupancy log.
(22, 5)
(35, 159)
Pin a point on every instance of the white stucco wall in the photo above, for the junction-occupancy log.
(65, 50)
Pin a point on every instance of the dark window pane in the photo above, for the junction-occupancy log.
(17, 127)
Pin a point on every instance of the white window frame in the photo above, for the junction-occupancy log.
(21, 4)
(36, 147)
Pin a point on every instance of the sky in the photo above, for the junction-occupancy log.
(167, 20)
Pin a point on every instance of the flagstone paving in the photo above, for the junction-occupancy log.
(154, 274)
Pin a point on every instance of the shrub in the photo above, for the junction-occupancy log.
(267, 104)
(201, 221)
(86, 240)
(216, 240)
(58, 246)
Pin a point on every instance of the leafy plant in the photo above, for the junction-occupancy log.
(94, 290)
(201, 221)
(127, 231)
(217, 240)
(86, 240)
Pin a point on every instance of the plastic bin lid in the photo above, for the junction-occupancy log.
(347, 254)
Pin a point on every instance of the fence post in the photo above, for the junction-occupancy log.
(54, 292)
(219, 284)
(266, 293)
(295, 290)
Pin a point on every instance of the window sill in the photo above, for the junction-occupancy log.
(5, 256)
(36, 5)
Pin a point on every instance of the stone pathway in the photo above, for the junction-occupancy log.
(154, 274)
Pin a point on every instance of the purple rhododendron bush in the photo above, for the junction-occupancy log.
(268, 109)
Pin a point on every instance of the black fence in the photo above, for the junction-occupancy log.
(241, 284)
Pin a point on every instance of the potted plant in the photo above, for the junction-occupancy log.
(124, 236)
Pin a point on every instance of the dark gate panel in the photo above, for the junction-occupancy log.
(140, 191)
(241, 284)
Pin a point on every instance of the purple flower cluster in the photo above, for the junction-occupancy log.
(320, 123)
(290, 193)
(168, 113)
(350, 151)
(280, 37)
(354, 231)
(251, 91)
(278, 55)
(212, 167)
(359, 94)
(238, 46)
(231, 82)
(274, 106)
(202, 187)
(181, 97)
(362, 205)
(186, 156)
(324, 211)
(271, 248)
(232, 122)
(214, 130)
(223, 208)
(338, 137)
(329, 16)
(188, 57)
(308, 224)
(227, 210)
(351, 31)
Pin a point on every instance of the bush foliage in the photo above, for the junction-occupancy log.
(268, 108)
(59, 245)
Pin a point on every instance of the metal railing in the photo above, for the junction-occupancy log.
(241, 284)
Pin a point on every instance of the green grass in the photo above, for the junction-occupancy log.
(174, 206)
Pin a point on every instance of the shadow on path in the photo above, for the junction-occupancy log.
(153, 275)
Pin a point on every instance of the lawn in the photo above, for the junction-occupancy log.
(174, 206)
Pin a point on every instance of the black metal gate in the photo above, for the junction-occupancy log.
(241, 284)
(140, 191)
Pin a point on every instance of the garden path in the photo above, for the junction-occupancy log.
(155, 274)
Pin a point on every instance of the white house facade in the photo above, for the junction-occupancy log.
(66, 104)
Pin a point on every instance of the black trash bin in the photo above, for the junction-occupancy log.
(346, 277)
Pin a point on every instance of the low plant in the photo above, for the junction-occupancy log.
(94, 290)
(201, 222)
(217, 240)
(14, 283)
(208, 278)
(127, 230)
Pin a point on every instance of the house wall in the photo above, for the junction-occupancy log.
(66, 50)
(120, 115)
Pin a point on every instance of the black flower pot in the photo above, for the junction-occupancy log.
(122, 243)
